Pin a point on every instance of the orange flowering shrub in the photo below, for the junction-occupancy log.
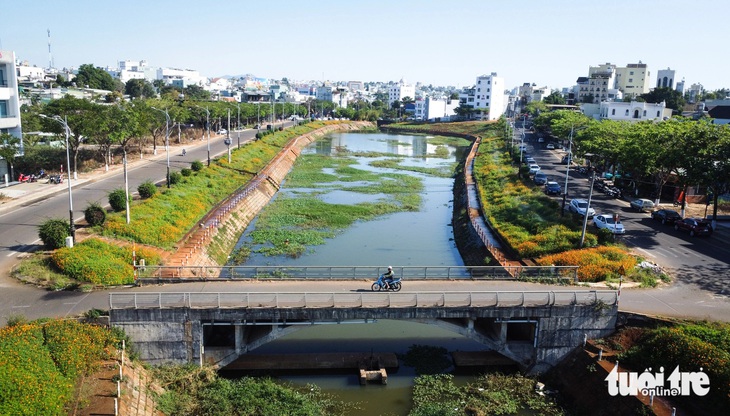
(596, 264)
(99, 262)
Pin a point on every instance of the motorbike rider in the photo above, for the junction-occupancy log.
(388, 277)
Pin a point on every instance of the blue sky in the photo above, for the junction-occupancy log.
(546, 42)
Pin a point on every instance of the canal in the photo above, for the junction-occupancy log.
(421, 237)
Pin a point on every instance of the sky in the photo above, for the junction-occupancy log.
(445, 43)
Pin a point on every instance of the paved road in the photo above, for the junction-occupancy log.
(18, 220)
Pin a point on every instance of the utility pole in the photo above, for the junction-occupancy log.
(585, 217)
(567, 170)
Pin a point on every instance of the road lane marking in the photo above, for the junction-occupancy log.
(667, 251)
(647, 252)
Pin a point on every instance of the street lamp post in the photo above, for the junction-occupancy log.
(588, 206)
(207, 125)
(167, 142)
(238, 124)
(567, 170)
(67, 131)
(228, 136)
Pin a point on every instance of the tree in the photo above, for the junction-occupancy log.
(9, 148)
(139, 88)
(97, 78)
(77, 112)
(196, 92)
(555, 97)
(536, 107)
(672, 98)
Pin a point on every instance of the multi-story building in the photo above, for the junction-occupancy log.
(665, 78)
(489, 95)
(9, 102)
(600, 80)
(633, 79)
(430, 109)
(399, 91)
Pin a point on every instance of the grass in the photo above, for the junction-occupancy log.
(40, 270)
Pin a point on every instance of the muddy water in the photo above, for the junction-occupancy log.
(404, 239)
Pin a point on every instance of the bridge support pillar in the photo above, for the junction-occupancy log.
(238, 336)
(503, 333)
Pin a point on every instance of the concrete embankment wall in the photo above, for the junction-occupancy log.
(223, 226)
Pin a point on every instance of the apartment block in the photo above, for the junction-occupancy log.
(9, 102)
(489, 94)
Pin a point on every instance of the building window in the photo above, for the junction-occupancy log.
(644, 113)
(3, 81)
(479, 82)
(487, 89)
(631, 72)
(627, 112)
(479, 89)
(631, 80)
(613, 112)
(657, 114)
(487, 97)
(3, 109)
(636, 113)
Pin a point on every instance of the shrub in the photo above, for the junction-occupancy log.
(94, 214)
(53, 232)
(196, 166)
(117, 200)
(147, 189)
(99, 262)
(175, 178)
(186, 172)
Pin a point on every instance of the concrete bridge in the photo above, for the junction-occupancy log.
(536, 329)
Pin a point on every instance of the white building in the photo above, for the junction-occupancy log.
(489, 94)
(9, 102)
(665, 78)
(632, 111)
(430, 109)
(399, 91)
(30, 74)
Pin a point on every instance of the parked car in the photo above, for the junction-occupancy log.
(540, 178)
(609, 222)
(540, 139)
(666, 216)
(566, 160)
(550, 146)
(523, 148)
(642, 205)
(222, 131)
(695, 226)
(579, 206)
(534, 169)
(552, 188)
(531, 161)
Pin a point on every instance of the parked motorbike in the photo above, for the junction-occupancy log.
(26, 178)
(55, 179)
(41, 174)
(395, 285)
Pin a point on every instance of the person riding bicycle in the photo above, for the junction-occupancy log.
(388, 277)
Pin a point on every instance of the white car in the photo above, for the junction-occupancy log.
(579, 206)
(550, 146)
(534, 169)
(609, 222)
(222, 131)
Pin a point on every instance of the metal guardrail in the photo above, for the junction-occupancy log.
(262, 300)
(162, 273)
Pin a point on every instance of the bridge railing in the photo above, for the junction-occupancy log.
(168, 300)
(166, 273)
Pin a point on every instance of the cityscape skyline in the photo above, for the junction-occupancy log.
(419, 41)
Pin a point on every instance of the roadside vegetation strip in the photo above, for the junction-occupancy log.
(701, 346)
(530, 222)
(165, 218)
(291, 223)
(42, 360)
